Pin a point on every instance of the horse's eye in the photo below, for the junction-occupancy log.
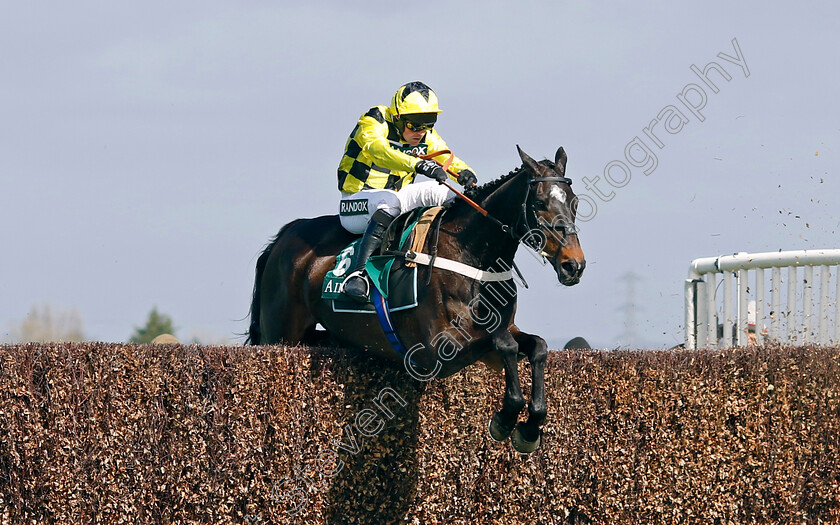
(540, 205)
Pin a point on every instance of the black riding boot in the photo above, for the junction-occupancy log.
(356, 285)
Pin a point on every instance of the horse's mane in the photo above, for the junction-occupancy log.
(479, 193)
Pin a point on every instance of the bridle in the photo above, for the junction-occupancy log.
(565, 228)
(526, 219)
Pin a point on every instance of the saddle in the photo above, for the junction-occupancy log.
(393, 277)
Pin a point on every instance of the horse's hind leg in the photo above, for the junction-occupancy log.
(504, 421)
(526, 437)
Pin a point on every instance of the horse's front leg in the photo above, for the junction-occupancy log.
(503, 422)
(526, 437)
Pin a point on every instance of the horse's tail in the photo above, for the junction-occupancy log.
(254, 336)
(254, 328)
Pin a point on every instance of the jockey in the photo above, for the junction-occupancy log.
(377, 173)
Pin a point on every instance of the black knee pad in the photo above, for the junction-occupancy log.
(382, 217)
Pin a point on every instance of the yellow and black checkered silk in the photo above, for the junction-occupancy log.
(376, 157)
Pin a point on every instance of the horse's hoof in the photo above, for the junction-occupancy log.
(521, 445)
(498, 432)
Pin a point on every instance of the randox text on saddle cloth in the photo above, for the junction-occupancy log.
(671, 119)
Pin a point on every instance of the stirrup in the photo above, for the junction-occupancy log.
(354, 294)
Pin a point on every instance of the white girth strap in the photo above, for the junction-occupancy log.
(455, 266)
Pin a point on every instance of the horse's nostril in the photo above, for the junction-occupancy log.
(570, 267)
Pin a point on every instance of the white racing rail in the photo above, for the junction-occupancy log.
(701, 299)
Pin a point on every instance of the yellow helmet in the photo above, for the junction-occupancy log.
(414, 97)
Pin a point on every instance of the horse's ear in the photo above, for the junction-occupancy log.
(560, 157)
(529, 163)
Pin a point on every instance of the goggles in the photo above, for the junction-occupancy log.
(419, 126)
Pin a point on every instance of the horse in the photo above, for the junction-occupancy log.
(459, 319)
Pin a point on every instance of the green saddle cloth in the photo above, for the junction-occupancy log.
(394, 281)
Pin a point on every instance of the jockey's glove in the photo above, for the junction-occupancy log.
(431, 169)
(467, 179)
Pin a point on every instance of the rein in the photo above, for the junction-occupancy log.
(431, 156)
(474, 273)
(563, 227)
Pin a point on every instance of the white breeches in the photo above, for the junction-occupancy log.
(356, 209)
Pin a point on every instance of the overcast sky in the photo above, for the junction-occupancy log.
(149, 150)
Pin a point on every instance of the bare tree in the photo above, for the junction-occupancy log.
(48, 324)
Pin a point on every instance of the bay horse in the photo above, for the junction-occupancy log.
(459, 319)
